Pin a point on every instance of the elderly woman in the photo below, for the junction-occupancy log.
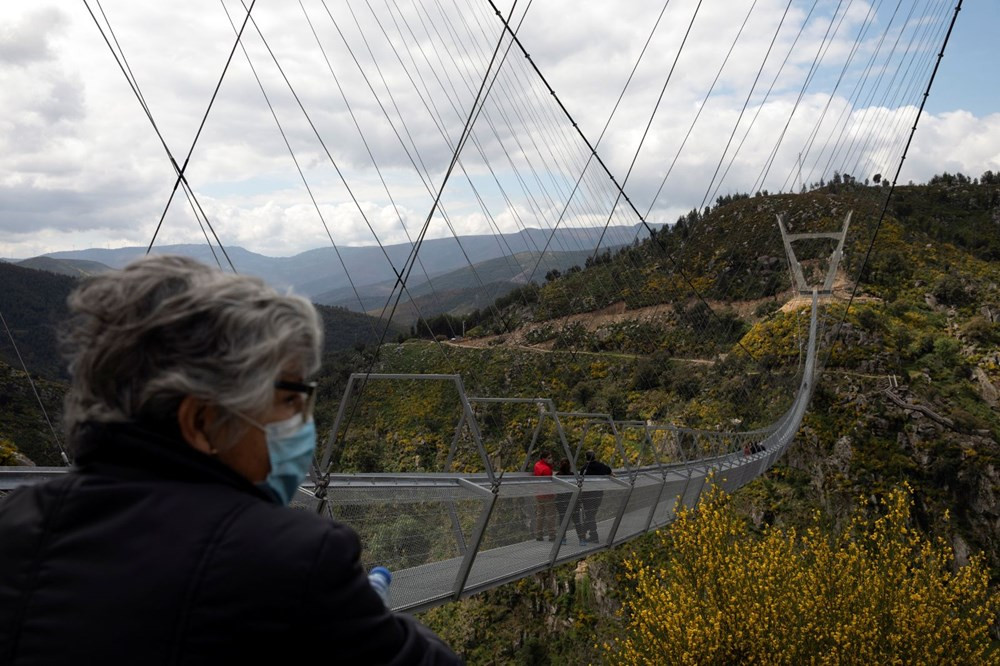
(169, 542)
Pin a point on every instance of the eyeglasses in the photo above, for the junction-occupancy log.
(308, 388)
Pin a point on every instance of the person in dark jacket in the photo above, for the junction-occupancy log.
(563, 501)
(591, 501)
(169, 542)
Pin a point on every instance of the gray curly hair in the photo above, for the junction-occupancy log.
(165, 327)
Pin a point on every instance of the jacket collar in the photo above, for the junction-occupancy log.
(135, 451)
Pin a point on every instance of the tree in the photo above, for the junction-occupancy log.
(874, 592)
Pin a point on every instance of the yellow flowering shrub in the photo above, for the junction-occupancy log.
(8, 452)
(877, 592)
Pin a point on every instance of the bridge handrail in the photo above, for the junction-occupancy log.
(487, 519)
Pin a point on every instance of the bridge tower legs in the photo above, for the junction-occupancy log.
(798, 279)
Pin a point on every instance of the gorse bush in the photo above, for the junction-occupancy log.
(875, 592)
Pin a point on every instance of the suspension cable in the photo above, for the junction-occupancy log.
(895, 178)
(38, 397)
(133, 85)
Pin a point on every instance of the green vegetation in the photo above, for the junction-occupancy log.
(716, 592)
(695, 327)
(903, 398)
(22, 425)
(33, 304)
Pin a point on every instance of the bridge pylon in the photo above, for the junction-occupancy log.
(798, 279)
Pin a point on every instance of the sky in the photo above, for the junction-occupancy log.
(83, 166)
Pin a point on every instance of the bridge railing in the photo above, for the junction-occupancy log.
(449, 535)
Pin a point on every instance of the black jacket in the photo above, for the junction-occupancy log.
(596, 468)
(152, 553)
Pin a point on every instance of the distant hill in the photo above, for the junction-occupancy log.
(70, 267)
(343, 329)
(33, 303)
(459, 291)
(320, 271)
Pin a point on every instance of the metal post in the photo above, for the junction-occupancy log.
(324, 467)
(321, 475)
(656, 504)
(687, 484)
(618, 445)
(838, 254)
(798, 280)
(583, 439)
(562, 435)
(477, 538)
(534, 440)
(621, 514)
(453, 449)
(477, 436)
(564, 525)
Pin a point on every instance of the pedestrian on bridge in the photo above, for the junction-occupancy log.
(171, 541)
(545, 503)
(592, 498)
(562, 504)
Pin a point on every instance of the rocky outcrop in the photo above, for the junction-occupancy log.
(989, 392)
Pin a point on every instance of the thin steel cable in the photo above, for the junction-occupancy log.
(466, 131)
(471, 119)
(601, 162)
(125, 69)
(883, 138)
(374, 162)
(871, 134)
(810, 139)
(892, 187)
(813, 68)
(550, 199)
(298, 168)
(711, 193)
(201, 126)
(845, 117)
(34, 389)
(701, 107)
(424, 179)
(652, 116)
(862, 122)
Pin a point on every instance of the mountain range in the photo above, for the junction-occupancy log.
(320, 273)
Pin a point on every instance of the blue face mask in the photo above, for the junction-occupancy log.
(290, 447)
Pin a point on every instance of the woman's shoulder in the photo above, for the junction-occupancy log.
(290, 533)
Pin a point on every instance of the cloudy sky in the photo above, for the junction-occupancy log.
(384, 88)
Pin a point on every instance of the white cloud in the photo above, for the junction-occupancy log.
(82, 164)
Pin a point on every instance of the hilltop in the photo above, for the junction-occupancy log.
(698, 326)
(909, 392)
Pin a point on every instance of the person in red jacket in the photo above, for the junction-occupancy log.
(545, 503)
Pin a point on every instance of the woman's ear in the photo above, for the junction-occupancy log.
(195, 418)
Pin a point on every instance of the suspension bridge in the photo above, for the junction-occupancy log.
(517, 156)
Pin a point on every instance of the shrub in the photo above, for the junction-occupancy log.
(951, 290)
(982, 331)
(766, 309)
(877, 591)
(8, 453)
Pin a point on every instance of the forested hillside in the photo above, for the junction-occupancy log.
(909, 393)
(33, 303)
(698, 326)
(25, 436)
